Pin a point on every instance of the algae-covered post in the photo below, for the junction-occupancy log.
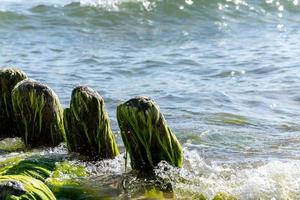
(146, 135)
(9, 77)
(87, 125)
(38, 114)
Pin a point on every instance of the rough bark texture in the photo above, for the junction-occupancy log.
(38, 114)
(87, 125)
(9, 77)
(146, 135)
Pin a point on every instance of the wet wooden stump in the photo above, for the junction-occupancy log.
(38, 114)
(9, 77)
(146, 135)
(88, 126)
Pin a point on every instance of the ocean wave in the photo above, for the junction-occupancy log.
(230, 7)
(272, 179)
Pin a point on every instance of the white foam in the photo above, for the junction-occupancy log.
(267, 180)
(114, 4)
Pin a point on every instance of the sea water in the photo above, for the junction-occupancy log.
(226, 74)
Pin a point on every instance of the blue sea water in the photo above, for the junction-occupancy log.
(226, 74)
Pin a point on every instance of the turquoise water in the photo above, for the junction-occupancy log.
(224, 72)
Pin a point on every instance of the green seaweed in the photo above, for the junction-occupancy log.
(146, 135)
(38, 167)
(65, 180)
(224, 196)
(87, 125)
(68, 169)
(76, 189)
(154, 194)
(9, 77)
(231, 119)
(20, 187)
(8, 145)
(38, 114)
(8, 163)
(189, 194)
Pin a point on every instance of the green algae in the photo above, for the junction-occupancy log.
(38, 114)
(66, 189)
(87, 125)
(231, 119)
(224, 196)
(153, 194)
(77, 190)
(38, 167)
(65, 180)
(9, 77)
(20, 187)
(146, 135)
(68, 169)
(8, 145)
(8, 163)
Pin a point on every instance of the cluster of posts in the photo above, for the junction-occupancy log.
(32, 111)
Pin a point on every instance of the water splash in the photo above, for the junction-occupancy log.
(257, 180)
(114, 5)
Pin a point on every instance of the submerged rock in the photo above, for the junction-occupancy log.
(146, 135)
(9, 77)
(8, 145)
(11, 187)
(87, 125)
(38, 114)
(19, 187)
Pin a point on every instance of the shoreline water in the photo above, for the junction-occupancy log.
(225, 74)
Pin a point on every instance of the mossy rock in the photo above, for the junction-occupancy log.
(62, 177)
(37, 167)
(87, 125)
(146, 135)
(7, 163)
(65, 180)
(8, 145)
(38, 114)
(9, 77)
(20, 187)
